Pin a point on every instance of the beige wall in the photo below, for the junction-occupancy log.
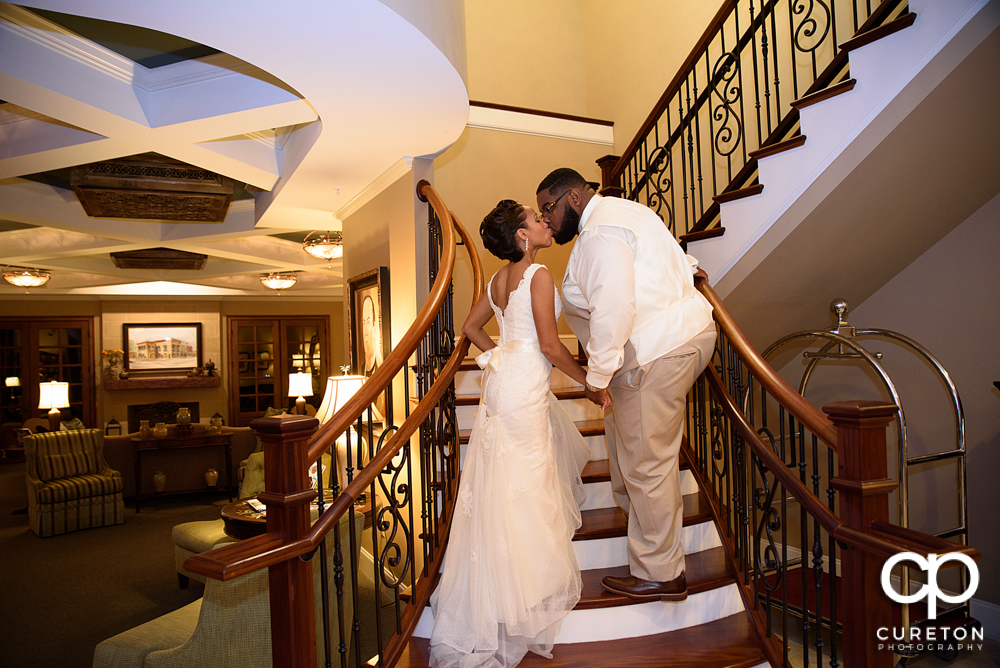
(486, 166)
(629, 62)
(527, 53)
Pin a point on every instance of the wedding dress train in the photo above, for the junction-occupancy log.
(510, 573)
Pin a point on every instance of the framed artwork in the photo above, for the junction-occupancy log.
(369, 307)
(162, 347)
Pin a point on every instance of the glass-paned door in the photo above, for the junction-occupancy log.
(37, 350)
(262, 352)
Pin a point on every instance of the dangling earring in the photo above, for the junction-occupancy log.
(525, 245)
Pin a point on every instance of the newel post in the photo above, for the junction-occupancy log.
(287, 495)
(864, 488)
(610, 187)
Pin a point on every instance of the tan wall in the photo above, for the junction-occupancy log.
(486, 166)
(527, 53)
(629, 62)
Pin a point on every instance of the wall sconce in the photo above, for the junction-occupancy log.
(300, 385)
(278, 281)
(328, 246)
(24, 277)
(53, 395)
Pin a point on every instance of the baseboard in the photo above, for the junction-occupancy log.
(988, 615)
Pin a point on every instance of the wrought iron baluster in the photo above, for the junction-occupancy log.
(834, 575)
(817, 553)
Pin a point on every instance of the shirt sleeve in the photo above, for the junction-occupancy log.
(692, 262)
(606, 266)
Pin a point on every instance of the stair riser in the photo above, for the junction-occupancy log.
(598, 450)
(599, 494)
(633, 620)
(608, 552)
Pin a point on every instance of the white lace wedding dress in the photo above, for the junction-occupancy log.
(510, 573)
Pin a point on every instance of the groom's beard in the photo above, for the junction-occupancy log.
(570, 223)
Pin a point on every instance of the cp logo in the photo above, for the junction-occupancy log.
(931, 591)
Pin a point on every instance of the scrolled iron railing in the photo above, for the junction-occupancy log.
(734, 95)
(801, 502)
(408, 495)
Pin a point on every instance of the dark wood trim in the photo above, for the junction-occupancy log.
(875, 34)
(779, 147)
(162, 383)
(825, 94)
(710, 233)
(612, 522)
(539, 112)
(733, 195)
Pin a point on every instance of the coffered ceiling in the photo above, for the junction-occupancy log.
(310, 108)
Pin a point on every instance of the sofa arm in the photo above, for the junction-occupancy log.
(130, 648)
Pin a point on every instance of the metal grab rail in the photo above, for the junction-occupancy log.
(733, 95)
(388, 478)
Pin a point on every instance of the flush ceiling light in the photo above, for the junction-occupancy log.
(278, 281)
(327, 246)
(25, 277)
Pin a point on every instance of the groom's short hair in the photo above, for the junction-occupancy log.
(563, 178)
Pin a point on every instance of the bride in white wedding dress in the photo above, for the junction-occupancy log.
(510, 573)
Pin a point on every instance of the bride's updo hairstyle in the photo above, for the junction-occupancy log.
(499, 228)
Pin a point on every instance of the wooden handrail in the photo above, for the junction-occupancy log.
(775, 385)
(268, 549)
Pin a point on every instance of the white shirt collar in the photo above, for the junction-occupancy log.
(589, 209)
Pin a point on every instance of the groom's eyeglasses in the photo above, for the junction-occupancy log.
(547, 208)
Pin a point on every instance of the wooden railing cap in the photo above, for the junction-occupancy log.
(860, 409)
(284, 424)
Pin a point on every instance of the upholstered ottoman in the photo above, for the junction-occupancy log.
(193, 538)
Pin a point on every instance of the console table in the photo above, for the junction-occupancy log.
(140, 445)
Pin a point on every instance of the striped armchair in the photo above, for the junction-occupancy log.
(70, 485)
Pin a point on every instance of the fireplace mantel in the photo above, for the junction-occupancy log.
(162, 383)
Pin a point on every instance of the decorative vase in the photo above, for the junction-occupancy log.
(144, 430)
(159, 481)
(123, 375)
(211, 477)
(183, 416)
(160, 430)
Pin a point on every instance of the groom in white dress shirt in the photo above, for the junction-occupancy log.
(629, 296)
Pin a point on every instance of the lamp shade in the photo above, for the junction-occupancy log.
(339, 389)
(300, 385)
(53, 394)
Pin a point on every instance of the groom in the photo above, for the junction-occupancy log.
(629, 294)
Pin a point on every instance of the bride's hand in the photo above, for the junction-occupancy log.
(602, 397)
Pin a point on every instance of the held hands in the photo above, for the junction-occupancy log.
(600, 397)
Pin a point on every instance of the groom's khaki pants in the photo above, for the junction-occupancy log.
(643, 432)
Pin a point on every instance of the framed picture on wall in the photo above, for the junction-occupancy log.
(162, 347)
(369, 307)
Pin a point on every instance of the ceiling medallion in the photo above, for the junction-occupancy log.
(25, 278)
(277, 280)
(328, 246)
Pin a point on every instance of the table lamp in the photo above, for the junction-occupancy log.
(53, 395)
(339, 389)
(300, 385)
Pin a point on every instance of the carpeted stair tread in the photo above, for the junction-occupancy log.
(704, 570)
(612, 522)
(723, 643)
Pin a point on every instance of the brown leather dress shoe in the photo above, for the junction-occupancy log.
(676, 590)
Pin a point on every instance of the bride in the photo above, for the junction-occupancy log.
(510, 574)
